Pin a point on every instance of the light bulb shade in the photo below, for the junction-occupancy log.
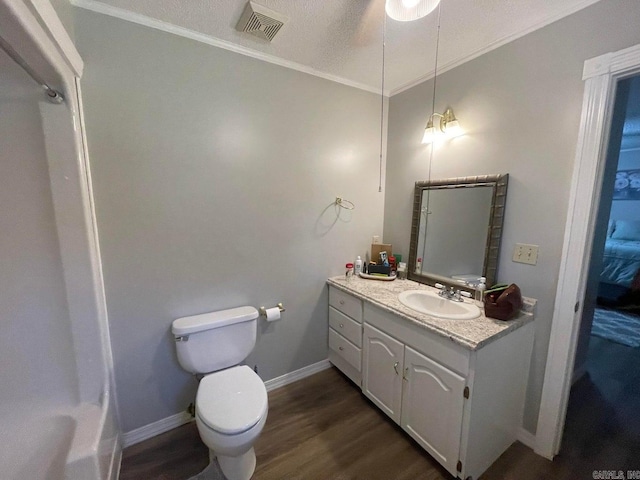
(450, 124)
(409, 10)
(453, 129)
(430, 134)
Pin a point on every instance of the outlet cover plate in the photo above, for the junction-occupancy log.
(524, 253)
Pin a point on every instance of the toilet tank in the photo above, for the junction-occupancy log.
(213, 341)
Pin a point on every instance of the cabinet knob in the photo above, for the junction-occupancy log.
(341, 325)
(341, 302)
(395, 367)
(340, 348)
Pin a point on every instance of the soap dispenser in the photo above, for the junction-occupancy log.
(480, 288)
(358, 266)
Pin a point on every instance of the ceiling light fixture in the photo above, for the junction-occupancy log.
(448, 126)
(409, 10)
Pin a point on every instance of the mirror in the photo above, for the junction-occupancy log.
(456, 229)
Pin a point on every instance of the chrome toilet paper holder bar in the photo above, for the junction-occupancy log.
(263, 310)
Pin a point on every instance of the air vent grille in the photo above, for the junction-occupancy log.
(260, 21)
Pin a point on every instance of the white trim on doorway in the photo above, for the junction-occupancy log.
(601, 75)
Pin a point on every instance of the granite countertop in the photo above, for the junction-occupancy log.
(472, 334)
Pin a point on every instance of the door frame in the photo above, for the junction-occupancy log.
(601, 75)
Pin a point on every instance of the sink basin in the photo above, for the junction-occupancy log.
(432, 304)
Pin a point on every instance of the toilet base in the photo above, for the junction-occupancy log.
(237, 468)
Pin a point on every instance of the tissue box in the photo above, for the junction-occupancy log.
(376, 248)
(386, 270)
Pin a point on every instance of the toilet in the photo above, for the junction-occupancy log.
(231, 403)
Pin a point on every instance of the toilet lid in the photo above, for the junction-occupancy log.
(231, 401)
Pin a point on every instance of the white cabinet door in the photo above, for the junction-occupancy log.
(432, 407)
(382, 372)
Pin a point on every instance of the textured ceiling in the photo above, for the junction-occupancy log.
(343, 38)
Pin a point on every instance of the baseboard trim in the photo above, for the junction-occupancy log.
(156, 428)
(527, 438)
(296, 375)
(161, 426)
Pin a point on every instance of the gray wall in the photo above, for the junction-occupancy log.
(36, 351)
(214, 178)
(520, 105)
(65, 12)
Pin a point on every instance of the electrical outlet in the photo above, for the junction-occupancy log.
(524, 253)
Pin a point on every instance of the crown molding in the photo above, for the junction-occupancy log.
(493, 46)
(137, 18)
(123, 14)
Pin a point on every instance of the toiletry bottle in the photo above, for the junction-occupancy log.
(480, 288)
(402, 271)
(392, 264)
(419, 266)
(358, 266)
(349, 274)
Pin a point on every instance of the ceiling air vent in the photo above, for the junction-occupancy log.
(260, 21)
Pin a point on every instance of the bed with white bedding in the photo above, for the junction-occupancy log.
(621, 258)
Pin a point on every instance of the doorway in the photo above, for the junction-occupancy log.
(602, 430)
(602, 75)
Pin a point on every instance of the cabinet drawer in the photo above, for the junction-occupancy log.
(346, 327)
(346, 303)
(346, 349)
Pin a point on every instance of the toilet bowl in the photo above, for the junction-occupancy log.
(231, 403)
(231, 410)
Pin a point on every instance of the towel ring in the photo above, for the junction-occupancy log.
(346, 204)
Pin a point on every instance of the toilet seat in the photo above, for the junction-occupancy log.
(231, 401)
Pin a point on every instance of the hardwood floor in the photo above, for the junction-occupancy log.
(322, 427)
(602, 428)
(327, 429)
(175, 455)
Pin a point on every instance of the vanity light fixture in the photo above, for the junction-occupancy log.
(447, 126)
(409, 10)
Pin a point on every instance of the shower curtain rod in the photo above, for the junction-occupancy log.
(52, 95)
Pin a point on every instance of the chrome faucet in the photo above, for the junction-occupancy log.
(453, 294)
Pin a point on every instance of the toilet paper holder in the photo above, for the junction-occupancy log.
(263, 310)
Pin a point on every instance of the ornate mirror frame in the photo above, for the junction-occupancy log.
(494, 233)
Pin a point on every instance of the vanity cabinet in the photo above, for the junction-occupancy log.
(462, 405)
(432, 406)
(420, 394)
(382, 376)
(345, 333)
